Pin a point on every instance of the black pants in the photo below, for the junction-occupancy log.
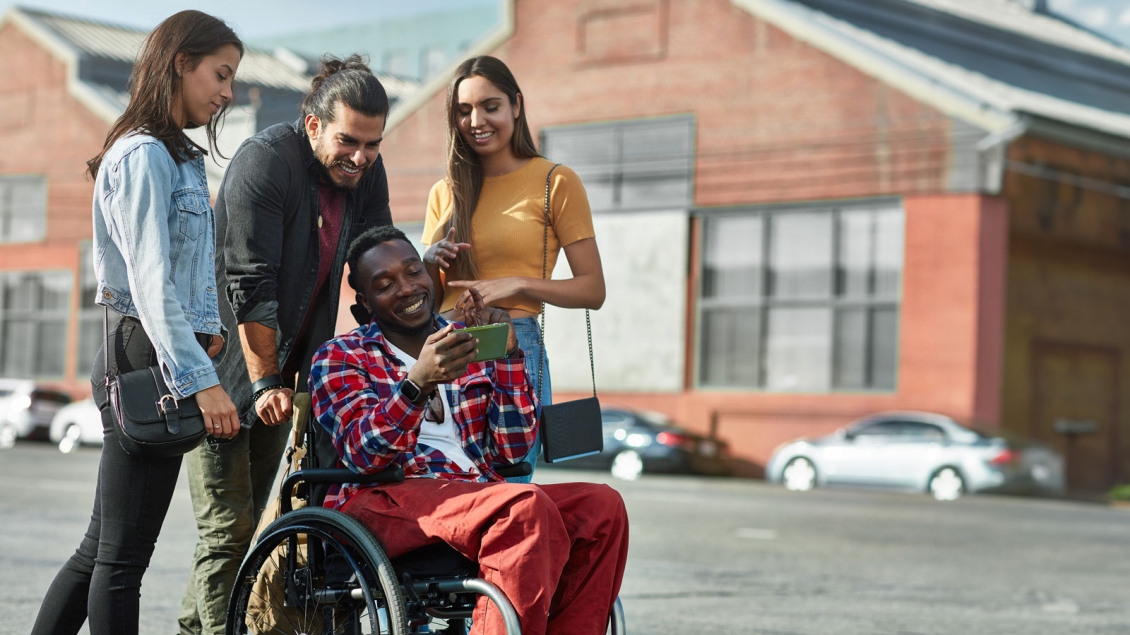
(103, 577)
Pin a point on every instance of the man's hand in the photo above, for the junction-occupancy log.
(215, 345)
(443, 358)
(220, 417)
(443, 252)
(275, 406)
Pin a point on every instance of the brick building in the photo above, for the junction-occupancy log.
(811, 210)
(62, 84)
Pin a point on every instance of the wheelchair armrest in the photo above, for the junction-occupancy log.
(335, 476)
(518, 469)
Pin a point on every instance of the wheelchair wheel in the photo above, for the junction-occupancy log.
(316, 571)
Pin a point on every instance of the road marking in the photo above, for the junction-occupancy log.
(751, 533)
(1062, 606)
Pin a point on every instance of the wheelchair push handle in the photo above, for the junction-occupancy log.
(334, 476)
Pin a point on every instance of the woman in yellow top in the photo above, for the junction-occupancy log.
(485, 225)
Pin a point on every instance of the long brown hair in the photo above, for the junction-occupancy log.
(154, 85)
(464, 169)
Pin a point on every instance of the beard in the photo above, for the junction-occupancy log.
(328, 162)
(389, 326)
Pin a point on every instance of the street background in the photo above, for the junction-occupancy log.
(708, 556)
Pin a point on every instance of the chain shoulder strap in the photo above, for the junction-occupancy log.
(545, 276)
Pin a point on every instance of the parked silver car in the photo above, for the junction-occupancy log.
(916, 451)
(26, 410)
(77, 424)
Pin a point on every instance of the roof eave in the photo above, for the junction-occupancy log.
(58, 47)
(798, 21)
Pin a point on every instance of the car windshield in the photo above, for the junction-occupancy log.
(656, 419)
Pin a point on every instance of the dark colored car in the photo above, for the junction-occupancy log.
(637, 441)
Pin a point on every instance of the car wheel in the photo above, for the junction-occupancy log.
(627, 465)
(7, 435)
(946, 484)
(799, 475)
(72, 439)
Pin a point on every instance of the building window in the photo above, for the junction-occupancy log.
(801, 299)
(629, 165)
(396, 63)
(23, 209)
(34, 309)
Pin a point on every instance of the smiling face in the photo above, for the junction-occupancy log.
(347, 146)
(395, 287)
(207, 87)
(484, 116)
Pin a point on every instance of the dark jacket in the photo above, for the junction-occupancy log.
(267, 266)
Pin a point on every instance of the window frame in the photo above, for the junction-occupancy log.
(7, 213)
(765, 302)
(61, 315)
(615, 175)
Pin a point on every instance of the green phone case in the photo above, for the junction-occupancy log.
(492, 340)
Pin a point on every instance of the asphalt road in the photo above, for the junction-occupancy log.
(710, 556)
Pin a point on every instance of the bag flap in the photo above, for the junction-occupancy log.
(140, 391)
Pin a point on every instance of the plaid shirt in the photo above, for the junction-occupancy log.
(355, 389)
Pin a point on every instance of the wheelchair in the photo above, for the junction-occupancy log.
(318, 571)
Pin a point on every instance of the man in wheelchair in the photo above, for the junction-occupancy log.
(404, 390)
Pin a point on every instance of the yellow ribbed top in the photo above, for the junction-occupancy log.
(509, 221)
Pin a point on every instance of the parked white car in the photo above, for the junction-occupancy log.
(77, 424)
(916, 451)
(26, 410)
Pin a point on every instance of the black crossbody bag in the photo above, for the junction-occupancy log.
(150, 421)
(572, 429)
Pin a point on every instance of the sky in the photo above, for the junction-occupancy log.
(259, 18)
(251, 19)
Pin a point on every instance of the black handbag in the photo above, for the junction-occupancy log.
(150, 421)
(572, 429)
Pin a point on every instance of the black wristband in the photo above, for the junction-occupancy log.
(270, 381)
(262, 391)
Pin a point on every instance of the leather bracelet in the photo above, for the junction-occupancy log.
(270, 381)
(262, 391)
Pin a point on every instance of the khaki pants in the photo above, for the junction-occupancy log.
(230, 484)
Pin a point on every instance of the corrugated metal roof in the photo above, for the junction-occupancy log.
(121, 43)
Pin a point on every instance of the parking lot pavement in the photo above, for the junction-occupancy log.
(709, 556)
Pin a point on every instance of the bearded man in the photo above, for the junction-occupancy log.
(292, 200)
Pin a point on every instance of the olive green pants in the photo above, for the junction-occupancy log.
(230, 484)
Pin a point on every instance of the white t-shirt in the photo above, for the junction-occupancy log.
(443, 436)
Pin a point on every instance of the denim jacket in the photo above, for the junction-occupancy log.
(154, 246)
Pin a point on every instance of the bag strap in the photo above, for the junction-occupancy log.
(545, 276)
(106, 350)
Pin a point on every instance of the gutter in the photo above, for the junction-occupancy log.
(992, 152)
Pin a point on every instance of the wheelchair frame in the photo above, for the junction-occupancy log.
(347, 582)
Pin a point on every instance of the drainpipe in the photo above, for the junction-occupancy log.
(992, 154)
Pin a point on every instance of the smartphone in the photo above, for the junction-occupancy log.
(492, 340)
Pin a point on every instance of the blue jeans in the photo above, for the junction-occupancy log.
(529, 340)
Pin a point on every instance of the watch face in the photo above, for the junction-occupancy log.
(410, 390)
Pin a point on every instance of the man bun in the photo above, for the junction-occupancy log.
(348, 81)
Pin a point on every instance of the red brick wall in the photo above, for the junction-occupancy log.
(777, 120)
(46, 131)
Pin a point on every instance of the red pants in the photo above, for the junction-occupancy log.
(556, 551)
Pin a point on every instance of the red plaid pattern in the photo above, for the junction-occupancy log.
(355, 390)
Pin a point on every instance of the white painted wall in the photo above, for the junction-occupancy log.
(639, 334)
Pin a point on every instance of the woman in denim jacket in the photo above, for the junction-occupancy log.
(153, 255)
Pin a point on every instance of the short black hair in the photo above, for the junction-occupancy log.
(370, 238)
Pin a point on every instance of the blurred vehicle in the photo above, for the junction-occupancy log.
(917, 451)
(637, 441)
(75, 425)
(26, 410)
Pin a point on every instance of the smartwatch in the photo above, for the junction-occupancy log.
(413, 392)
